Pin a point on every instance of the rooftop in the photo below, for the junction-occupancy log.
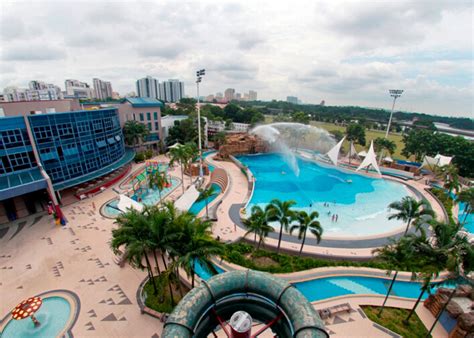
(144, 102)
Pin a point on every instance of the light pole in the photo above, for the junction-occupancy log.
(395, 93)
(199, 75)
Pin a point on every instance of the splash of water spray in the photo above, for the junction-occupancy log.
(287, 138)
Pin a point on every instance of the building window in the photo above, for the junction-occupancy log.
(148, 116)
(149, 126)
(155, 115)
(157, 126)
(141, 117)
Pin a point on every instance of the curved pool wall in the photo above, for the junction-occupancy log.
(359, 201)
(322, 288)
(57, 315)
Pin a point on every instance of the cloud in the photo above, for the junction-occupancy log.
(249, 40)
(161, 50)
(32, 52)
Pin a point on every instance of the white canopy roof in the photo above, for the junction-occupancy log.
(437, 161)
(370, 160)
(353, 151)
(126, 203)
(443, 160)
(176, 145)
(363, 153)
(388, 159)
(334, 152)
(187, 199)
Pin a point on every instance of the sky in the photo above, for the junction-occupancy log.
(342, 52)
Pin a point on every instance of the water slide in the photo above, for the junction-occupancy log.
(263, 298)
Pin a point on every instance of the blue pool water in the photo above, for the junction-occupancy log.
(53, 316)
(328, 287)
(206, 154)
(469, 225)
(360, 202)
(199, 205)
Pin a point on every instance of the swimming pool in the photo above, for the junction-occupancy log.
(199, 205)
(151, 197)
(53, 315)
(359, 201)
(206, 154)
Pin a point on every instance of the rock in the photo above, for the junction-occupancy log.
(454, 309)
(466, 322)
(464, 290)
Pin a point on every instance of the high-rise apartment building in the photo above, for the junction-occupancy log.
(219, 96)
(229, 94)
(37, 91)
(292, 99)
(252, 95)
(77, 89)
(102, 89)
(238, 96)
(171, 90)
(148, 87)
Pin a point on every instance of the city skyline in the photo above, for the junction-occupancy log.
(348, 59)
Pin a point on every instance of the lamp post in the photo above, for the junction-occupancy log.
(199, 75)
(395, 93)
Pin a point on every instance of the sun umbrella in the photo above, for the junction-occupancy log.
(27, 308)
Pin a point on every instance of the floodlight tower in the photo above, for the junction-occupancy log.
(395, 93)
(199, 75)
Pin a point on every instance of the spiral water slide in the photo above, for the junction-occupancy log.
(232, 301)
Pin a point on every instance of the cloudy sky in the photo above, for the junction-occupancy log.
(346, 53)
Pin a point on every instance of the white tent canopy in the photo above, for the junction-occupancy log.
(363, 153)
(187, 199)
(387, 159)
(333, 154)
(353, 151)
(126, 203)
(437, 161)
(176, 145)
(370, 160)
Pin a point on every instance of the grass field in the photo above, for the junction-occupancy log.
(392, 319)
(369, 135)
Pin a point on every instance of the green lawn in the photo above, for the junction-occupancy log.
(392, 319)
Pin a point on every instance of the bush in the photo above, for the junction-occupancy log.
(244, 255)
(139, 157)
(446, 200)
(148, 154)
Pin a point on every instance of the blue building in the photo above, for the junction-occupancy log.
(46, 153)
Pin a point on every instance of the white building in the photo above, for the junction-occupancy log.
(148, 87)
(77, 89)
(102, 89)
(252, 95)
(171, 90)
(37, 91)
(168, 122)
(240, 127)
(292, 99)
(229, 94)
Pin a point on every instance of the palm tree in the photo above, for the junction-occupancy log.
(134, 233)
(179, 155)
(449, 174)
(134, 132)
(191, 153)
(257, 224)
(157, 180)
(466, 197)
(195, 243)
(409, 209)
(281, 212)
(447, 250)
(205, 194)
(399, 256)
(307, 222)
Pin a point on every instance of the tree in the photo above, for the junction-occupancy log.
(257, 224)
(157, 180)
(300, 117)
(134, 132)
(187, 105)
(382, 144)
(182, 132)
(307, 222)
(281, 212)
(356, 133)
(219, 139)
(205, 194)
(179, 155)
(399, 256)
(466, 197)
(191, 152)
(195, 243)
(134, 233)
(449, 174)
(409, 209)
